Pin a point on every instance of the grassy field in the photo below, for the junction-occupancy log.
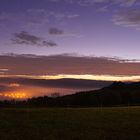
(70, 124)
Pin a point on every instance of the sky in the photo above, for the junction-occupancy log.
(78, 39)
(88, 27)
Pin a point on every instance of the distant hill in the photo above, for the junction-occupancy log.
(117, 93)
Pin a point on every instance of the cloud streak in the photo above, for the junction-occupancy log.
(128, 18)
(126, 14)
(24, 38)
(124, 3)
(35, 16)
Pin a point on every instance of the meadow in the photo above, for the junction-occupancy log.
(114, 123)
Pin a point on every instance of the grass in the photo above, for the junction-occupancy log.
(120, 123)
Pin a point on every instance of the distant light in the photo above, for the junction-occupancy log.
(16, 95)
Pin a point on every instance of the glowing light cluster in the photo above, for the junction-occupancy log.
(14, 95)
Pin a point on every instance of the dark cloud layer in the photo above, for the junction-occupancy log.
(26, 38)
(67, 64)
(57, 83)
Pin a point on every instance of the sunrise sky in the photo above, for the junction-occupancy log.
(90, 40)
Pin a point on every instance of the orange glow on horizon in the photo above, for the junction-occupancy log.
(16, 95)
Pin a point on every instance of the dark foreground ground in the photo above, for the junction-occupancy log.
(70, 124)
